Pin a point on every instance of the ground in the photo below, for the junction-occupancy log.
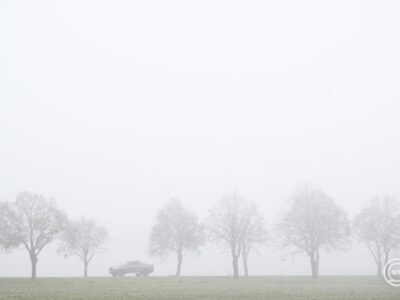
(276, 288)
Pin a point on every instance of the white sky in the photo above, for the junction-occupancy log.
(113, 107)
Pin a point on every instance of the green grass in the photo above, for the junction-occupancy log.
(276, 288)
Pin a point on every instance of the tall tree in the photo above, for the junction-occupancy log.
(83, 238)
(35, 222)
(176, 230)
(378, 226)
(312, 223)
(254, 235)
(236, 223)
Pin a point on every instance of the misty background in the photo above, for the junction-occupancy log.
(114, 107)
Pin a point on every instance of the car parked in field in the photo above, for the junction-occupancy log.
(132, 267)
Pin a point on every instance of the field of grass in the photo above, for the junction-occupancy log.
(362, 288)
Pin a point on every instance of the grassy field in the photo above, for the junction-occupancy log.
(363, 288)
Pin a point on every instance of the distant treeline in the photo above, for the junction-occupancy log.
(312, 223)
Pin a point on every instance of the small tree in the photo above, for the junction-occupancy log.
(313, 223)
(83, 238)
(378, 226)
(176, 230)
(237, 224)
(35, 222)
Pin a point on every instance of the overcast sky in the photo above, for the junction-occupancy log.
(113, 107)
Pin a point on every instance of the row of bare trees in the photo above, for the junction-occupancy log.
(33, 222)
(234, 222)
(311, 224)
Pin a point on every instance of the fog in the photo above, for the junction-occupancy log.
(114, 107)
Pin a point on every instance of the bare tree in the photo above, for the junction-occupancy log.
(378, 226)
(254, 235)
(236, 223)
(35, 222)
(313, 223)
(176, 230)
(83, 238)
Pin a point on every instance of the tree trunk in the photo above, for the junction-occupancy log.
(245, 267)
(33, 263)
(379, 269)
(235, 267)
(314, 268)
(85, 268)
(314, 261)
(235, 263)
(178, 267)
(386, 270)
